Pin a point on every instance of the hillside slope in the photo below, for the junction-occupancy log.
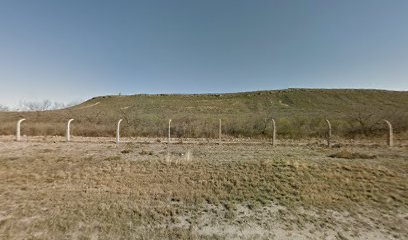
(298, 112)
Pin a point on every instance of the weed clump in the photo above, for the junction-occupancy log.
(144, 152)
(351, 155)
(113, 158)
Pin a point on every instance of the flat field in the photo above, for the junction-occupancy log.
(93, 189)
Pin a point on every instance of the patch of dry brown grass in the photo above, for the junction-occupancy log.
(132, 191)
(351, 155)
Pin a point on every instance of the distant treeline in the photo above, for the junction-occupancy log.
(31, 106)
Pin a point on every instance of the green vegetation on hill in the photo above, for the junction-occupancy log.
(298, 113)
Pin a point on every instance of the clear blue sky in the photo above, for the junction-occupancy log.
(76, 49)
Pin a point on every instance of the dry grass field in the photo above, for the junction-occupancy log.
(93, 189)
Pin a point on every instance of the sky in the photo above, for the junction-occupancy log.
(73, 50)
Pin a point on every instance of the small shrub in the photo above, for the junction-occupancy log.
(144, 152)
(113, 158)
(351, 155)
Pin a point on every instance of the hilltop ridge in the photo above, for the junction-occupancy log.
(299, 112)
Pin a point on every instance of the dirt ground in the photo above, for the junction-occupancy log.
(146, 189)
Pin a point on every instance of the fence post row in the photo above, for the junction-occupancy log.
(273, 132)
(390, 134)
(68, 132)
(18, 129)
(329, 133)
(118, 131)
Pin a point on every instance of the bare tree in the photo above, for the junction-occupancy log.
(368, 122)
(43, 105)
(4, 108)
(35, 106)
(57, 105)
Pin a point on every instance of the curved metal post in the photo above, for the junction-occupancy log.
(273, 132)
(329, 133)
(169, 131)
(68, 134)
(220, 132)
(390, 136)
(118, 131)
(18, 129)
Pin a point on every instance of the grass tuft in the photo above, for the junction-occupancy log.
(351, 155)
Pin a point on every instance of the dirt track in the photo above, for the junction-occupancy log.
(93, 189)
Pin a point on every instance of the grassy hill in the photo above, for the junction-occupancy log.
(298, 113)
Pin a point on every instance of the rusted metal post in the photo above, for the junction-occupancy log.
(118, 131)
(390, 135)
(329, 133)
(18, 137)
(68, 133)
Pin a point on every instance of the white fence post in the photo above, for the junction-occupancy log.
(18, 129)
(118, 131)
(68, 134)
(329, 133)
(390, 136)
(169, 131)
(220, 131)
(273, 132)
